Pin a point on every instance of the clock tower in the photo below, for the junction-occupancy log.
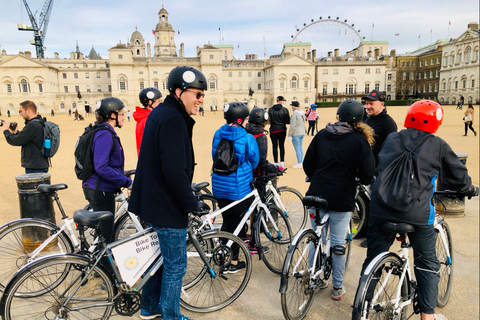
(164, 36)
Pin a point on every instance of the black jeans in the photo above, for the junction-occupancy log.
(231, 219)
(278, 141)
(469, 125)
(311, 125)
(426, 264)
(101, 201)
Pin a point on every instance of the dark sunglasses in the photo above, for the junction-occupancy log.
(198, 94)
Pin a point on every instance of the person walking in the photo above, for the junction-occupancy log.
(312, 118)
(162, 193)
(432, 158)
(8, 113)
(30, 138)
(468, 119)
(460, 103)
(296, 132)
(231, 187)
(279, 117)
(128, 115)
(150, 98)
(338, 155)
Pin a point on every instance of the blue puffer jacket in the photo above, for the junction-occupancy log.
(235, 186)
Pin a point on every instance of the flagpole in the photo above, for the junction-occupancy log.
(220, 35)
(372, 30)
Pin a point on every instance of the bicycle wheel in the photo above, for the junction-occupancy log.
(17, 246)
(212, 202)
(381, 282)
(296, 212)
(124, 227)
(446, 266)
(360, 216)
(274, 244)
(207, 293)
(298, 292)
(59, 289)
(348, 243)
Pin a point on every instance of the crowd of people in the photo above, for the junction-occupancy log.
(357, 145)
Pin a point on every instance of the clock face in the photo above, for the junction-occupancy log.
(164, 37)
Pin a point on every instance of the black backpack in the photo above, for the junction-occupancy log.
(225, 161)
(393, 188)
(83, 152)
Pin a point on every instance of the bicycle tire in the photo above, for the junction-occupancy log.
(277, 244)
(16, 251)
(446, 267)
(54, 302)
(296, 212)
(348, 244)
(124, 227)
(212, 202)
(383, 278)
(360, 216)
(209, 293)
(297, 293)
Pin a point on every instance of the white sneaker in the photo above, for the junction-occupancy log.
(282, 164)
(297, 166)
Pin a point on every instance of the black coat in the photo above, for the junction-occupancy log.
(433, 158)
(383, 125)
(162, 193)
(332, 162)
(278, 117)
(31, 140)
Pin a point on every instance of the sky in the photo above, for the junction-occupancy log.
(251, 26)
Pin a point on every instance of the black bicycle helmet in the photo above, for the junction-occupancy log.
(350, 111)
(258, 116)
(184, 78)
(149, 94)
(107, 106)
(235, 112)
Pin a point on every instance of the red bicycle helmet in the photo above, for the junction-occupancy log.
(425, 115)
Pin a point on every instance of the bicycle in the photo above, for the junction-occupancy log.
(309, 263)
(270, 228)
(388, 286)
(74, 286)
(361, 211)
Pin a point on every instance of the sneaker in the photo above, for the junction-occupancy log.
(234, 268)
(253, 249)
(150, 314)
(364, 243)
(282, 164)
(297, 166)
(337, 294)
(247, 238)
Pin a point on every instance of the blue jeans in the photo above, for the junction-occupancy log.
(36, 170)
(338, 224)
(165, 286)
(298, 145)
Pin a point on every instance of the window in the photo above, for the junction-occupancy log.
(259, 87)
(282, 84)
(155, 84)
(9, 88)
(473, 83)
(404, 76)
(377, 86)
(99, 88)
(413, 64)
(352, 71)
(65, 88)
(459, 58)
(426, 63)
(88, 88)
(420, 63)
(64, 75)
(98, 76)
(155, 72)
(325, 71)
(403, 64)
(259, 74)
(230, 74)
(437, 73)
(211, 57)
(77, 88)
(40, 87)
(249, 74)
(456, 84)
(408, 63)
(389, 76)
(239, 74)
(294, 82)
(425, 75)
(335, 89)
(431, 74)
(87, 75)
(438, 60)
(335, 71)
(62, 105)
(446, 61)
(389, 87)
(467, 54)
(436, 87)
(142, 85)
(240, 86)
(212, 82)
(367, 70)
(109, 88)
(75, 75)
(351, 88)
(377, 70)
(432, 62)
(305, 84)
(140, 72)
(464, 84)
(429, 87)
(122, 84)
(411, 75)
(367, 88)
(324, 91)
(452, 59)
(120, 56)
(164, 84)
(230, 87)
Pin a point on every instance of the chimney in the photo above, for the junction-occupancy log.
(330, 53)
(314, 53)
(336, 52)
(182, 50)
(72, 55)
(28, 54)
(56, 55)
(369, 53)
(393, 52)
(377, 53)
(473, 26)
(309, 55)
(355, 52)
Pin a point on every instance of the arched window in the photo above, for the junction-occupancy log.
(121, 83)
(294, 82)
(24, 86)
(212, 83)
(467, 54)
(74, 105)
(62, 106)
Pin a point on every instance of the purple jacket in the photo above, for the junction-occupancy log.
(109, 169)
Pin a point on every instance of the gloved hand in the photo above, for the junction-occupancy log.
(202, 209)
(472, 191)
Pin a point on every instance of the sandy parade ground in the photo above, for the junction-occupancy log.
(261, 299)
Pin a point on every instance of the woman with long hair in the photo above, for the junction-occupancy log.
(468, 119)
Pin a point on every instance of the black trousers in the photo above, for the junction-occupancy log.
(231, 219)
(278, 142)
(469, 125)
(311, 125)
(426, 264)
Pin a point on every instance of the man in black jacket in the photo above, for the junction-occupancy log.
(162, 194)
(30, 138)
(279, 117)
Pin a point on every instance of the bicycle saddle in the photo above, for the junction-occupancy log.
(197, 187)
(314, 201)
(51, 188)
(394, 227)
(93, 219)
